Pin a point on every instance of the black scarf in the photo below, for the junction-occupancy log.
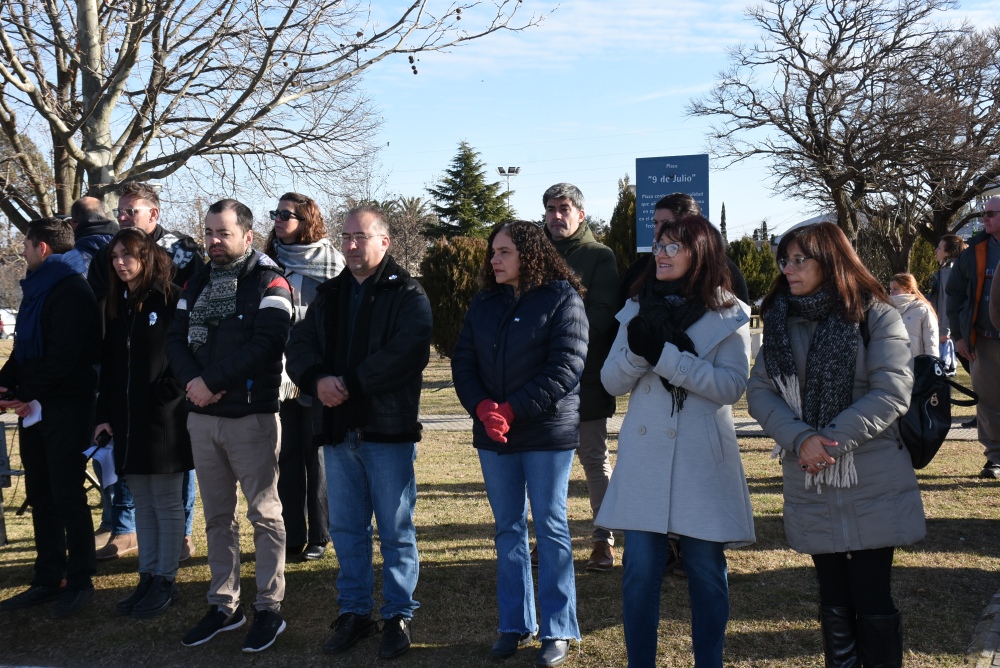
(669, 315)
(830, 362)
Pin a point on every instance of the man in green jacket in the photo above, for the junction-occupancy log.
(595, 264)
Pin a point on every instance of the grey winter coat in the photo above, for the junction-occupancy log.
(883, 508)
(680, 471)
(921, 324)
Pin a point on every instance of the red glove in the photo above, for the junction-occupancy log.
(506, 412)
(494, 419)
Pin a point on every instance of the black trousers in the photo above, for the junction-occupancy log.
(54, 465)
(861, 582)
(301, 478)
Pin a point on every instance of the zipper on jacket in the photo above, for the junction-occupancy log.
(128, 386)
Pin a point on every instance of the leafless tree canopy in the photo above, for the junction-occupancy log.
(138, 89)
(867, 107)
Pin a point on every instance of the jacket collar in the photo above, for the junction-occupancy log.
(708, 331)
(583, 235)
(388, 274)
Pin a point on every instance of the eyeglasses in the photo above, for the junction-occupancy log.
(130, 213)
(990, 214)
(796, 261)
(358, 238)
(671, 249)
(284, 214)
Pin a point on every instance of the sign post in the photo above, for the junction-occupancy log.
(655, 178)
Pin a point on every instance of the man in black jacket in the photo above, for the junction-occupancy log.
(92, 228)
(52, 376)
(225, 347)
(361, 350)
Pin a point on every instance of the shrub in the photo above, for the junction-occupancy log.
(450, 277)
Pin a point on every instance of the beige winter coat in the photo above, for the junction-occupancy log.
(921, 324)
(883, 508)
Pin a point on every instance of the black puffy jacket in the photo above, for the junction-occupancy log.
(528, 351)
(243, 353)
(383, 376)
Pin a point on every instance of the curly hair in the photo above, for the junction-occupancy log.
(709, 270)
(540, 262)
(843, 272)
(155, 268)
(313, 225)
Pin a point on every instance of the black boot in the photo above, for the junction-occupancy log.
(162, 594)
(124, 606)
(880, 640)
(839, 637)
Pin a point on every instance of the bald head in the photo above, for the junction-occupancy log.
(991, 217)
(85, 210)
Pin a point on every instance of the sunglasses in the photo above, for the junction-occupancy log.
(130, 213)
(990, 214)
(284, 214)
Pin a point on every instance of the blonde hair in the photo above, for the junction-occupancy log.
(908, 285)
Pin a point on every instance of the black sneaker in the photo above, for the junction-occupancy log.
(991, 470)
(348, 629)
(267, 624)
(71, 601)
(395, 637)
(971, 424)
(508, 643)
(216, 620)
(32, 596)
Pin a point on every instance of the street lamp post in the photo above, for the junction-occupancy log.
(511, 171)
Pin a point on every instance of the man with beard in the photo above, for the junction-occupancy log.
(225, 347)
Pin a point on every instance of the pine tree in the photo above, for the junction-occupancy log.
(722, 224)
(621, 233)
(465, 203)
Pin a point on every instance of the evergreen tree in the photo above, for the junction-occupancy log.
(722, 224)
(758, 265)
(449, 274)
(621, 233)
(465, 203)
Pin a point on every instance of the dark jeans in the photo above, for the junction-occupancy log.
(861, 582)
(54, 466)
(302, 478)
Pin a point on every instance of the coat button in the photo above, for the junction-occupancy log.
(645, 389)
(672, 433)
(642, 431)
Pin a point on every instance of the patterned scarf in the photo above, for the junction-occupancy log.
(829, 375)
(669, 315)
(217, 300)
(319, 261)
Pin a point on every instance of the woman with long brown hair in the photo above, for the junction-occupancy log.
(682, 354)
(141, 405)
(299, 243)
(831, 379)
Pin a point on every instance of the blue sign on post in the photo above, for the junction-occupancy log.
(655, 178)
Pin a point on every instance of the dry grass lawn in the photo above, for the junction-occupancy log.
(942, 584)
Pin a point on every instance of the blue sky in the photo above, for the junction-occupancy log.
(578, 99)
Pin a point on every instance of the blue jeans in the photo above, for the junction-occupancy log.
(189, 492)
(117, 506)
(708, 587)
(545, 476)
(364, 479)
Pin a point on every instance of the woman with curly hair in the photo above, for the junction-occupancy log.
(141, 405)
(299, 243)
(682, 351)
(829, 393)
(517, 368)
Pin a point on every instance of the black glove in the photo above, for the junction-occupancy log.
(643, 341)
